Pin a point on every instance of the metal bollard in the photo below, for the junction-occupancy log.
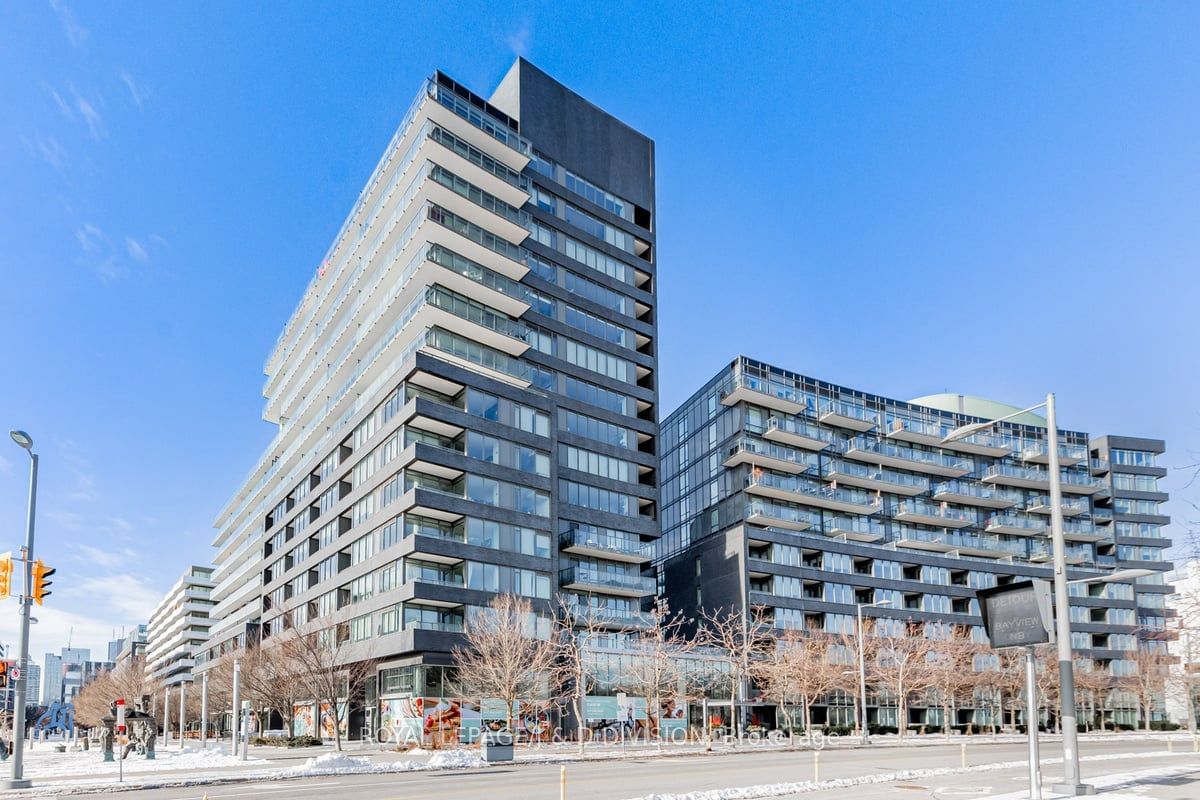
(1170, 744)
(963, 755)
(816, 766)
(562, 783)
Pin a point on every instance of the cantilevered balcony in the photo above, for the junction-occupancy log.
(1082, 530)
(1043, 551)
(883, 452)
(834, 498)
(768, 456)
(858, 529)
(975, 494)
(1071, 506)
(919, 431)
(611, 617)
(1102, 516)
(777, 515)
(871, 477)
(983, 443)
(798, 433)
(922, 512)
(760, 392)
(589, 579)
(605, 543)
(1039, 453)
(1098, 466)
(972, 544)
(1037, 478)
(848, 415)
(1016, 525)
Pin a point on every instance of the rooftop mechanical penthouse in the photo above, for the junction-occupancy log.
(805, 499)
(467, 392)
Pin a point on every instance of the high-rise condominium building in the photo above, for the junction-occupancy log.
(178, 627)
(806, 499)
(466, 395)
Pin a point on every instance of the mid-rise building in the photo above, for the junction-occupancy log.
(1183, 621)
(133, 645)
(466, 395)
(178, 627)
(53, 674)
(33, 683)
(806, 500)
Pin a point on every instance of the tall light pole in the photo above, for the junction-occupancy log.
(862, 668)
(1066, 669)
(18, 780)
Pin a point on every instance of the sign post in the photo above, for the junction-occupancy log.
(122, 739)
(1022, 615)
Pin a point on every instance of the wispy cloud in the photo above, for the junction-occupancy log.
(76, 33)
(521, 39)
(108, 557)
(52, 152)
(136, 250)
(135, 91)
(90, 114)
(98, 252)
(6, 467)
(69, 520)
(131, 596)
(64, 107)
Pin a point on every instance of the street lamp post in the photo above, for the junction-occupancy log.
(1066, 669)
(18, 780)
(862, 668)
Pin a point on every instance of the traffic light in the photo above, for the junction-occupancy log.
(40, 573)
(3, 674)
(6, 570)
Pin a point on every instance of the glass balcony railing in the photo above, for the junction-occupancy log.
(1013, 472)
(436, 578)
(785, 514)
(774, 389)
(1070, 505)
(1015, 521)
(481, 120)
(428, 625)
(1078, 527)
(611, 616)
(833, 469)
(864, 526)
(924, 508)
(1044, 550)
(589, 576)
(955, 539)
(745, 444)
(800, 427)
(1102, 515)
(1072, 452)
(842, 408)
(891, 450)
(933, 429)
(981, 491)
(610, 541)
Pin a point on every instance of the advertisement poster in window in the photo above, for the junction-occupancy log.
(494, 714)
(534, 724)
(330, 719)
(672, 719)
(303, 720)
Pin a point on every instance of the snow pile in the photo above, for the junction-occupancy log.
(45, 762)
(342, 764)
(456, 759)
(328, 764)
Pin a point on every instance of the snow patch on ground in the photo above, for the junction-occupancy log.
(45, 762)
(342, 764)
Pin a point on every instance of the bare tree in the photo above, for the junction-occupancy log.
(328, 666)
(1091, 686)
(1047, 679)
(504, 658)
(739, 638)
(951, 670)
(270, 679)
(902, 667)
(799, 670)
(1150, 681)
(577, 629)
(130, 681)
(654, 669)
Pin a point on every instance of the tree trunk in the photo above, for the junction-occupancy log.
(580, 726)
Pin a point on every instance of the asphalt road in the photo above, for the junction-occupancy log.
(630, 778)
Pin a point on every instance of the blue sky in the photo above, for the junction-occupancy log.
(905, 198)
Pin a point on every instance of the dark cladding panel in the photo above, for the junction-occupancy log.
(572, 131)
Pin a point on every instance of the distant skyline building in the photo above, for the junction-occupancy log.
(133, 645)
(467, 392)
(68, 672)
(178, 627)
(33, 685)
(805, 499)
